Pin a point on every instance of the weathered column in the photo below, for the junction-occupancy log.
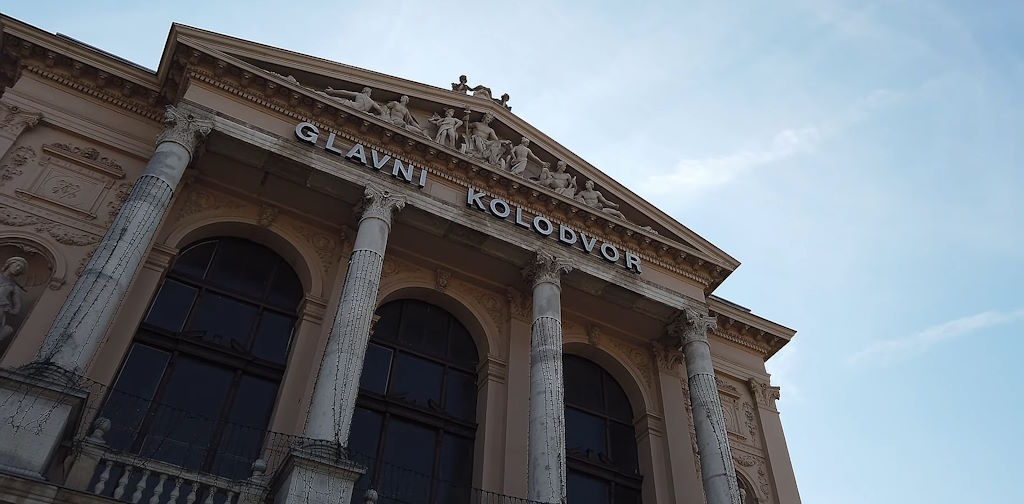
(717, 470)
(337, 384)
(320, 470)
(42, 400)
(546, 472)
(85, 316)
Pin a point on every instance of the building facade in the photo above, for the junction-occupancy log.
(258, 276)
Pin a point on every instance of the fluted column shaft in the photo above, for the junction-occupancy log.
(718, 473)
(546, 472)
(337, 384)
(95, 297)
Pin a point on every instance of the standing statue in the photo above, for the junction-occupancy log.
(521, 155)
(447, 128)
(397, 113)
(10, 294)
(461, 86)
(482, 142)
(360, 101)
(504, 101)
(595, 199)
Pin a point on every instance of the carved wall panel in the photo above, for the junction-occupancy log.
(73, 179)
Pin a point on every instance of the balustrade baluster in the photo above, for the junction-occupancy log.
(140, 487)
(172, 498)
(101, 483)
(123, 482)
(192, 495)
(159, 489)
(231, 497)
(211, 491)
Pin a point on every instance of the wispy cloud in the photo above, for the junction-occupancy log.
(696, 175)
(885, 350)
(699, 174)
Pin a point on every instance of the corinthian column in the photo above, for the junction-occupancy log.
(546, 474)
(85, 315)
(337, 384)
(717, 470)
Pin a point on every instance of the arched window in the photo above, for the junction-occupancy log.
(599, 437)
(201, 377)
(414, 422)
(746, 490)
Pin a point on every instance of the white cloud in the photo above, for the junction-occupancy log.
(696, 175)
(921, 341)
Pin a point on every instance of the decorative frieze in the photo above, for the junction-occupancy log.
(61, 233)
(12, 168)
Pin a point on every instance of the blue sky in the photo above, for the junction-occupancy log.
(862, 159)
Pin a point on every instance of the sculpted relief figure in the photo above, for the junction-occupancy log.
(482, 142)
(447, 128)
(595, 199)
(561, 182)
(521, 155)
(397, 113)
(360, 101)
(10, 294)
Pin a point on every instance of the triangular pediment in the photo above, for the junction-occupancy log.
(428, 110)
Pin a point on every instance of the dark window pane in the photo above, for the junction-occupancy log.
(376, 367)
(273, 334)
(582, 383)
(130, 398)
(460, 395)
(241, 439)
(242, 267)
(622, 443)
(455, 469)
(461, 348)
(584, 435)
(390, 316)
(424, 328)
(626, 495)
(190, 405)
(285, 290)
(408, 462)
(363, 439)
(193, 261)
(417, 381)
(618, 403)
(223, 321)
(583, 489)
(171, 306)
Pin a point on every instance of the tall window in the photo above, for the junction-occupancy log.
(599, 437)
(414, 423)
(201, 377)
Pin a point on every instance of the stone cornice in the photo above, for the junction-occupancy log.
(748, 330)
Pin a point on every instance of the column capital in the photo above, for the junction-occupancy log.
(15, 119)
(183, 128)
(381, 204)
(691, 324)
(547, 268)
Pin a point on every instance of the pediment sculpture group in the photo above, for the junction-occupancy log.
(478, 139)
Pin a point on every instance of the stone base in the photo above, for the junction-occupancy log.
(309, 478)
(36, 414)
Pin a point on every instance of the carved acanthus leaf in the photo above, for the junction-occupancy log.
(59, 232)
(184, 128)
(19, 157)
(15, 120)
(547, 268)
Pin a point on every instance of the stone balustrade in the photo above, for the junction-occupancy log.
(129, 477)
